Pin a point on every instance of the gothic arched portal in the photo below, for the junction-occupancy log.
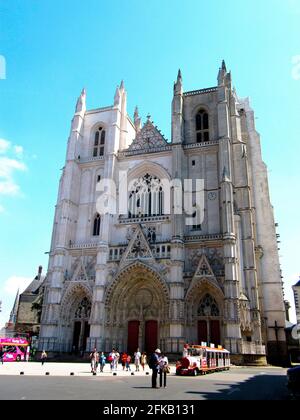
(75, 318)
(137, 309)
(204, 313)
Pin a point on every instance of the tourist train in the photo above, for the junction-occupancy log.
(200, 360)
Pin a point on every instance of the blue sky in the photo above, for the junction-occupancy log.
(52, 49)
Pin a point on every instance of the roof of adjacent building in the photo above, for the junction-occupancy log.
(297, 284)
(34, 286)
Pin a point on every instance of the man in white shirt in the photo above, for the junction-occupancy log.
(163, 370)
(137, 360)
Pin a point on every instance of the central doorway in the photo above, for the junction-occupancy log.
(142, 335)
(151, 336)
(133, 336)
(209, 331)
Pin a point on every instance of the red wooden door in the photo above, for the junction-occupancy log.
(151, 335)
(202, 331)
(133, 336)
(86, 334)
(76, 335)
(215, 334)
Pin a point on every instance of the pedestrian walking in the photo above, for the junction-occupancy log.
(117, 359)
(123, 360)
(163, 370)
(102, 361)
(185, 351)
(128, 361)
(44, 357)
(113, 360)
(94, 357)
(154, 365)
(143, 360)
(137, 360)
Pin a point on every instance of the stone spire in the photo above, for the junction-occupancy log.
(117, 98)
(73, 149)
(222, 74)
(120, 95)
(224, 77)
(178, 87)
(137, 120)
(177, 111)
(14, 311)
(123, 108)
(40, 270)
(81, 102)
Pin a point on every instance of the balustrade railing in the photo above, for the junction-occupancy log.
(81, 245)
(90, 159)
(252, 348)
(143, 219)
(159, 251)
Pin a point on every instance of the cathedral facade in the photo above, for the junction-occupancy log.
(158, 273)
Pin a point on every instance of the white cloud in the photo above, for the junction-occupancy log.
(8, 167)
(4, 145)
(19, 150)
(14, 283)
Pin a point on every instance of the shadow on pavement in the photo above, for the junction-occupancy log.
(259, 387)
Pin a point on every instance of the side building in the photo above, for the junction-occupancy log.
(296, 290)
(30, 307)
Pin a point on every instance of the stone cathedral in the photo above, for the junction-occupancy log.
(146, 278)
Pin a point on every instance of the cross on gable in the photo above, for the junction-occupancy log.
(204, 269)
(203, 275)
(80, 272)
(138, 248)
(148, 137)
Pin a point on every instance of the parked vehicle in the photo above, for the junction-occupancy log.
(293, 375)
(200, 360)
(14, 349)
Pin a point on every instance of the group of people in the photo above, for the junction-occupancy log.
(114, 358)
(97, 359)
(158, 362)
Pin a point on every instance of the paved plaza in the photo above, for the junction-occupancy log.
(65, 369)
(243, 383)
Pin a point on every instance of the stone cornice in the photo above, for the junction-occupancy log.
(201, 91)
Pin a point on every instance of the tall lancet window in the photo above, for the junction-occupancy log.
(202, 126)
(146, 197)
(96, 227)
(99, 142)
